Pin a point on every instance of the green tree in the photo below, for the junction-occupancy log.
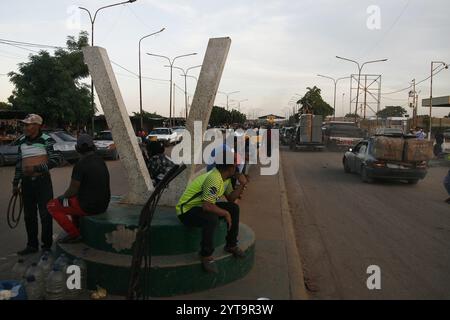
(313, 102)
(392, 111)
(50, 85)
(220, 116)
(5, 106)
(147, 115)
(351, 115)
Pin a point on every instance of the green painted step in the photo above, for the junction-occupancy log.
(115, 231)
(170, 275)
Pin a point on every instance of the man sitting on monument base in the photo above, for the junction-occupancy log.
(88, 194)
(198, 207)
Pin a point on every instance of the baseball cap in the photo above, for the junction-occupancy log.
(85, 139)
(32, 118)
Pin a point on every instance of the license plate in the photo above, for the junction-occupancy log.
(396, 166)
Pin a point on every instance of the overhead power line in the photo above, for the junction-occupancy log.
(417, 83)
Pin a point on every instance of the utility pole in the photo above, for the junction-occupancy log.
(92, 20)
(171, 63)
(140, 76)
(173, 92)
(335, 81)
(365, 96)
(414, 103)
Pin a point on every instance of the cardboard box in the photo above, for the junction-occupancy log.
(388, 148)
(418, 150)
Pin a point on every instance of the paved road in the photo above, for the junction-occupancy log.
(343, 226)
(13, 240)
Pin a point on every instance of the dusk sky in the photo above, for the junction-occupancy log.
(278, 47)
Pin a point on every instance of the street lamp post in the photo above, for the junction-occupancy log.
(359, 78)
(171, 62)
(239, 103)
(228, 94)
(140, 76)
(335, 81)
(185, 75)
(92, 19)
(431, 91)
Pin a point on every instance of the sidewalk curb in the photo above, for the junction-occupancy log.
(295, 268)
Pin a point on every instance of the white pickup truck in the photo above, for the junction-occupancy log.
(165, 135)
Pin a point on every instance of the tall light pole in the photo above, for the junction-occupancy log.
(92, 19)
(335, 81)
(140, 75)
(431, 90)
(228, 94)
(185, 75)
(171, 62)
(239, 103)
(343, 96)
(359, 78)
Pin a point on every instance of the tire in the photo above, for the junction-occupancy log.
(364, 176)
(346, 167)
(413, 181)
(2, 161)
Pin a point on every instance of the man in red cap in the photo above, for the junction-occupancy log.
(35, 159)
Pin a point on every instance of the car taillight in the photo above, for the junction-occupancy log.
(378, 164)
(422, 165)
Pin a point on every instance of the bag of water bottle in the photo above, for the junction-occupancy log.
(46, 264)
(34, 289)
(19, 269)
(62, 263)
(56, 288)
(36, 272)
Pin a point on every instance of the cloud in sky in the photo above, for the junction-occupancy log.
(277, 49)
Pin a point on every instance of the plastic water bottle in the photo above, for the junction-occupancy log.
(56, 288)
(46, 264)
(33, 289)
(19, 269)
(36, 272)
(62, 262)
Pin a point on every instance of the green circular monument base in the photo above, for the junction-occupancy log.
(176, 269)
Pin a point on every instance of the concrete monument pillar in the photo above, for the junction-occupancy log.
(201, 107)
(140, 184)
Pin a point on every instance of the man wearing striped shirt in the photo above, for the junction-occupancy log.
(35, 159)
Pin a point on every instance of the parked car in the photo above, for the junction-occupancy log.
(359, 159)
(179, 131)
(64, 142)
(105, 145)
(165, 135)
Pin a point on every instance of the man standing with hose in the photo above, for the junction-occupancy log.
(36, 157)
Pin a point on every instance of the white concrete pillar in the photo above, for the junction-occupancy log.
(140, 184)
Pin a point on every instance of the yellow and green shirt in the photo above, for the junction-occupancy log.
(208, 187)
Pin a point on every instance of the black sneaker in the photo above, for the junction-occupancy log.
(27, 250)
(210, 266)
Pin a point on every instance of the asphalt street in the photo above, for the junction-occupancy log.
(343, 226)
